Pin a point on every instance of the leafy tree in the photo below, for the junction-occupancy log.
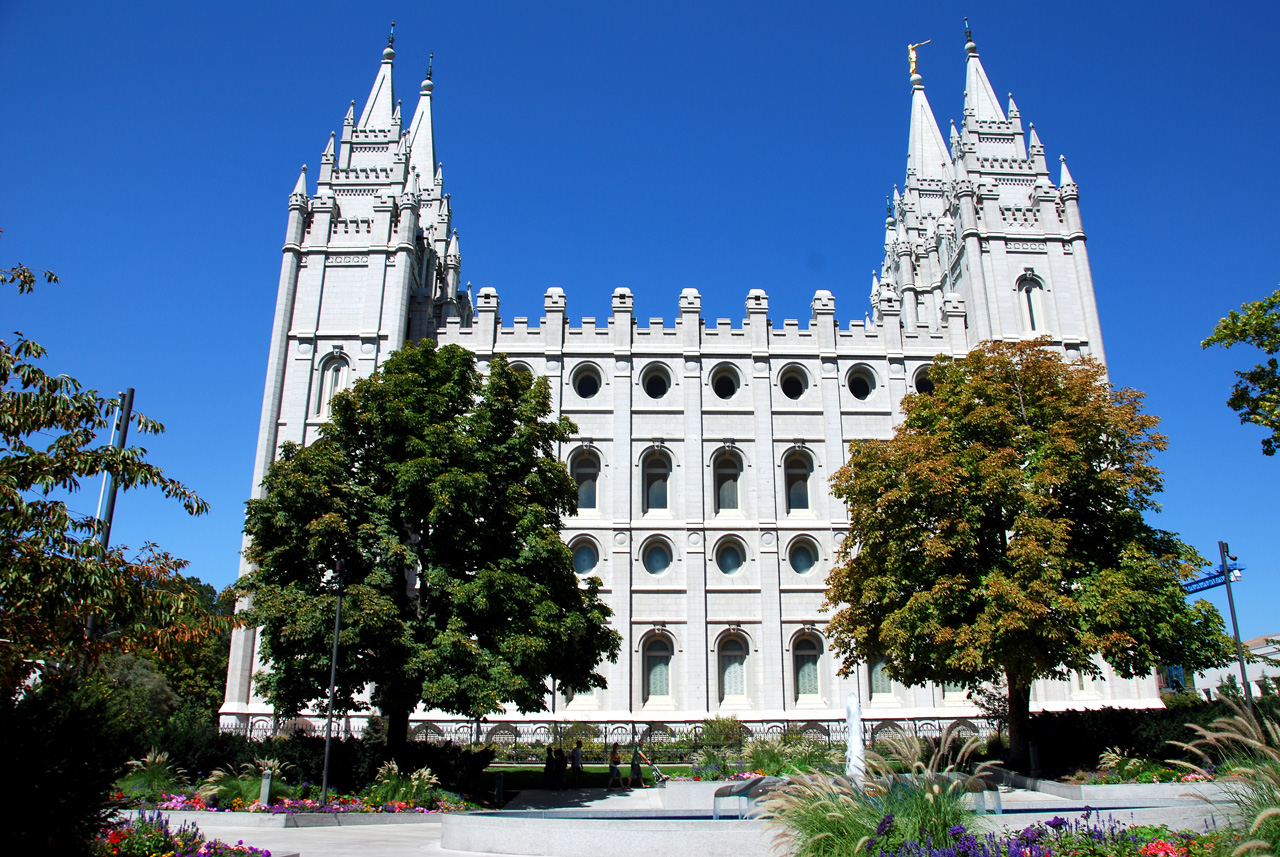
(1256, 395)
(1000, 532)
(54, 572)
(196, 668)
(426, 472)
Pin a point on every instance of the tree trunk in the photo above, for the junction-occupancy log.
(397, 712)
(1019, 725)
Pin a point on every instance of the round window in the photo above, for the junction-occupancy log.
(729, 558)
(861, 384)
(656, 382)
(586, 383)
(793, 383)
(924, 384)
(803, 558)
(657, 558)
(585, 558)
(725, 382)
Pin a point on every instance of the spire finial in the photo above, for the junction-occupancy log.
(431, 59)
(389, 52)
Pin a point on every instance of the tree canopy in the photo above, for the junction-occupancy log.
(1256, 394)
(1000, 533)
(54, 572)
(426, 472)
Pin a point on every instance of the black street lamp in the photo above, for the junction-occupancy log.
(1225, 553)
(333, 681)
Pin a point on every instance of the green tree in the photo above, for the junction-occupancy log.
(1256, 394)
(54, 572)
(196, 667)
(1000, 533)
(426, 472)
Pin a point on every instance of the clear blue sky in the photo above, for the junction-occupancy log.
(150, 150)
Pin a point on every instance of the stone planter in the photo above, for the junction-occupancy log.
(212, 822)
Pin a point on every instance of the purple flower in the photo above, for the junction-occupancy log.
(1056, 823)
(885, 825)
(958, 830)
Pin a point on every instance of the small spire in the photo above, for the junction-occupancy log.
(1066, 178)
(415, 187)
(1013, 108)
(300, 189)
(351, 112)
(328, 150)
(395, 114)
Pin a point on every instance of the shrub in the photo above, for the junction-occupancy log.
(778, 756)
(722, 732)
(823, 816)
(391, 785)
(228, 790)
(149, 779)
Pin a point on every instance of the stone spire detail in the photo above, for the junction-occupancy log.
(379, 109)
(980, 100)
(300, 189)
(1066, 178)
(422, 141)
(926, 152)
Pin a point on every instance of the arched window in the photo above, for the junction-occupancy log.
(733, 668)
(728, 469)
(586, 470)
(333, 380)
(803, 556)
(797, 470)
(1031, 297)
(585, 557)
(657, 470)
(880, 683)
(657, 669)
(807, 652)
(924, 384)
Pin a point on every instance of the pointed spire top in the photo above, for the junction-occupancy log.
(395, 114)
(300, 189)
(427, 85)
(1066, 178)
(926, 152)
(1013, 108)
(382, 97)
(979, 98)
(351, 112)
(1035, 138)
(389, 52)
(328, 150)
(415, 187)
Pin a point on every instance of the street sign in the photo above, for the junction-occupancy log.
(1213, 579)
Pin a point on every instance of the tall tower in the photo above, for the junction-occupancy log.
(983, 224)
(370, 260)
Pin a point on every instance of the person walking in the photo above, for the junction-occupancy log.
(637, 756)
(548, 770)
(615, 769)
(576, 765)
(558, 773)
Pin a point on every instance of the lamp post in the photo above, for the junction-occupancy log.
(333, 681)
(1224, 552)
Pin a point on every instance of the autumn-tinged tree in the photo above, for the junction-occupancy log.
(54, 573)
(1256, 395)
(427, 472)
(1000, 533)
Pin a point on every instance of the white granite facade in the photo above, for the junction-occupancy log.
(703, 450)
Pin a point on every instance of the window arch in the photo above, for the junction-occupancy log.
(333, 380)
(656, 556)
(924, 384)
(657, 669)
(586, 472)
(728, 473)
(730, 556)
(808, 652)
(586, 556)
(1031, 304)
(733, 668)
(803, 556)
(880, 683)
(797, 468)
(657, 472)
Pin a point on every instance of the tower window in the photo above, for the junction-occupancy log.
(924, 384)
(585, 558)
(803, 557)
(657, 470)
(657, 669)
(656, 558)
(728, 471)
(862, 383)
(733, 668)
(1031, 296)
(656, 382)
(586, 382)
(807, 654)
(730, 557)
(794, 382)
(797, 470)
(586, 471)
(332, 382)
(724, 381)
(880, 683)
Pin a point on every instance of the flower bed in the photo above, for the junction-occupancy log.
(440, 802)
(149, 835)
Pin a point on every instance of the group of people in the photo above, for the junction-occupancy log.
(563, 770)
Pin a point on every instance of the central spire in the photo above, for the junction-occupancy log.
(926, 151)
(382, 98)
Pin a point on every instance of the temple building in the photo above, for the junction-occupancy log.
(704, 448)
